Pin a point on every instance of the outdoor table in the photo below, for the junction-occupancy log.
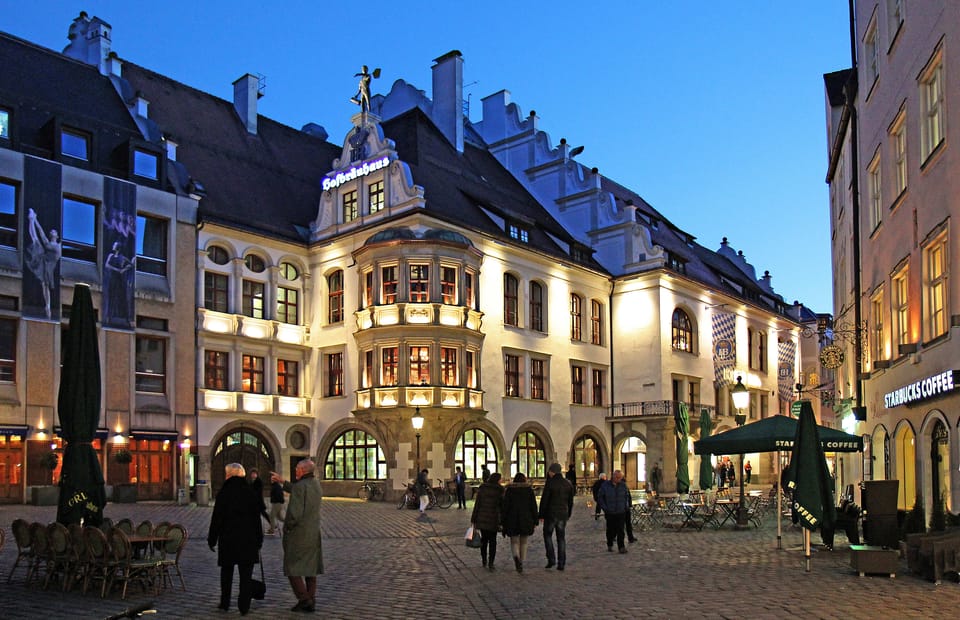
(689, 510)
(729, 507)
(144, 542)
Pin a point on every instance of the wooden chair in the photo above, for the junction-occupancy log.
(58, 553)
(98, 559)
(21, 535)
(176, 541)
(126, 568)
(160, 530)
(40, 543)
(125, 525)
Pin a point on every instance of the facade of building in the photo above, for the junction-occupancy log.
(892, 176)
(472, 274)
(84, 199)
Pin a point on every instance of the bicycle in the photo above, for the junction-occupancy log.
(440, 496)
(409, 497)
(370, 490)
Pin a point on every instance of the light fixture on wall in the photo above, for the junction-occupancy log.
(417, 421)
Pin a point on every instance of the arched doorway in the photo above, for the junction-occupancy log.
(940, 465)
(528, 456)
(879, 454)
(906, 459)
(245, 446)
(587, 458)
(475, 449)
(633, 459)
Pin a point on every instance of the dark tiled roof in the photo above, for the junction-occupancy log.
(268, 182)
(458, 187)
(834, 83)
(41, 86)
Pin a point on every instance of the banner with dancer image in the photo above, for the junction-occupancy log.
(119, 234)
(40, 239)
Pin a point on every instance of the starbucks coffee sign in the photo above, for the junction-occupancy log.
(929, 387)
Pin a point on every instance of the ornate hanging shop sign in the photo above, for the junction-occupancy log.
(929, 387)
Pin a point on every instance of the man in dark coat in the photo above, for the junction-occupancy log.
(302, 542)
(556, 506)
(596, 499)
(486, 517)
(236, 534)
(615, 501)
(571, 477)
(460, 479)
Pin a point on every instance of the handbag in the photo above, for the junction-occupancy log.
(259, 586)
(472, 538)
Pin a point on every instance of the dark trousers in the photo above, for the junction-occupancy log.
(629, 527)
(305, 588)
(615, 525)
(461, 496)
(226, 584)
(488, 546)
(560, 526)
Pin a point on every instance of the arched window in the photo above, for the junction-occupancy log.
(528, 456)
(244, 446)
(335, 296)
(218, 255)
(511, 300)
(355, 455)
(682, 333)
(474, 450)
(536, 306)
(586, 457)
(596, 322)
(576, 317)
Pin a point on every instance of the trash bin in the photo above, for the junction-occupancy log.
(203, 494)
(183, 497)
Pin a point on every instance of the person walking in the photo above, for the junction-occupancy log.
(486, 517)
(254, 477)
(615, 501)
(556, 507)
(519, 517)
(236, 535)
(747, 470)
(276, 506)
(460, 479)
(656, 477)
(484, 473)
(721, 475)
(571, 477)
(302, 540)
(731, 475)
(423, 490)
(595, 489)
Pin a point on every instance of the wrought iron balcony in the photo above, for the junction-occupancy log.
(662, 408)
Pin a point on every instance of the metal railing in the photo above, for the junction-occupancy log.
(655, 408)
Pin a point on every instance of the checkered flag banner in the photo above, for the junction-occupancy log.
(786, 365)
(724, 345)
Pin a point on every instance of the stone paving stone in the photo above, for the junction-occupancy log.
(387, 563)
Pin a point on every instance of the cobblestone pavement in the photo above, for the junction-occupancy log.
(387, 563)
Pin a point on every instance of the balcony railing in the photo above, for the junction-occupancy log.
(656, 408)
(418, 314)
(265, 404)
(419, 396)
(259, 329)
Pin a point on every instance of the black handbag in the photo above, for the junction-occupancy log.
(474, 541)
(259, 586)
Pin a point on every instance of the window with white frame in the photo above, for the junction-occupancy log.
(596, 322)
(420, 365)
(898, 142)
(877, 336)
(419, 283)
(597, 387)
(871, 49)
(536, 306)
(335, 297)
(448, 366)
(511, 300)
(375, 197)
(931, 106)
(389, 366)
(511, 375)
(349, 203)
(334, 371)
(901, 307)
(576, 384)
(576, 317)
(935, 287)
(894, 18)
(876, 201)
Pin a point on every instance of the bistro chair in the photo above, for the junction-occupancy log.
(125, 526)
(126, 568)
(58, 553)
(172, 548)
(77, 566)
(98, 559)
(160, 531)
(106, 525)
(21, 535)
(40, 543)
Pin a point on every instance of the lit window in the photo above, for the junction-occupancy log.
(536, 306)
(511, 375)
(79, 230)
(420, 365)
(901, 307)
(537, 379)
(9, 227)
(289, 271)
(448, 285)
(335, 297)
(145, 164)
(876, 202)
(388, 283)
(898, 136)
(349, 206)
(334, 364)
(477, 450)
(375, 197)
(367, 378)
(288, 301)
(511, 309)
(151, 360)
(877, 338)
(520, 234)
(471, 369)
(596, 322)
(215, 370)
(355, 455)
(576, 317)
(935, 288)
(681, 332)
(151, 245)
(367, 289)
(528, 455)
(252, 374)
(576, 384)
(419, 283)
(469, 300)
(598, 383)
(448, 366)
(389, 360)
(931, 106)
(252, 299)
(74, 144)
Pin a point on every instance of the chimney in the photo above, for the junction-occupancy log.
(246, 91)
(448, 97)
(89, 41)
(494, 123)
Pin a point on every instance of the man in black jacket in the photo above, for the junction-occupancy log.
(556, 506)
(596, 499)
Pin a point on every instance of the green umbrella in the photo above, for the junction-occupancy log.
(810, 479)
(771, 435)
(81, 480)
(706, 467)
(681, 419)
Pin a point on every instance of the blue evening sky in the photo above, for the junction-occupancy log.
(712, 111)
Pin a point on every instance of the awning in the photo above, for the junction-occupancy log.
(152, 435)
(101, 433)
(14, 429)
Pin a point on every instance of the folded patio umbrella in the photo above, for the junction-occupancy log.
(706, 467)
(681, 418)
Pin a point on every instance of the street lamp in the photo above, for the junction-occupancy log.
(417, 420)
(741, 401)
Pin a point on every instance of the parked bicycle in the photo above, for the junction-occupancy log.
(370, 490)
(441, 496)
(409, 497)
